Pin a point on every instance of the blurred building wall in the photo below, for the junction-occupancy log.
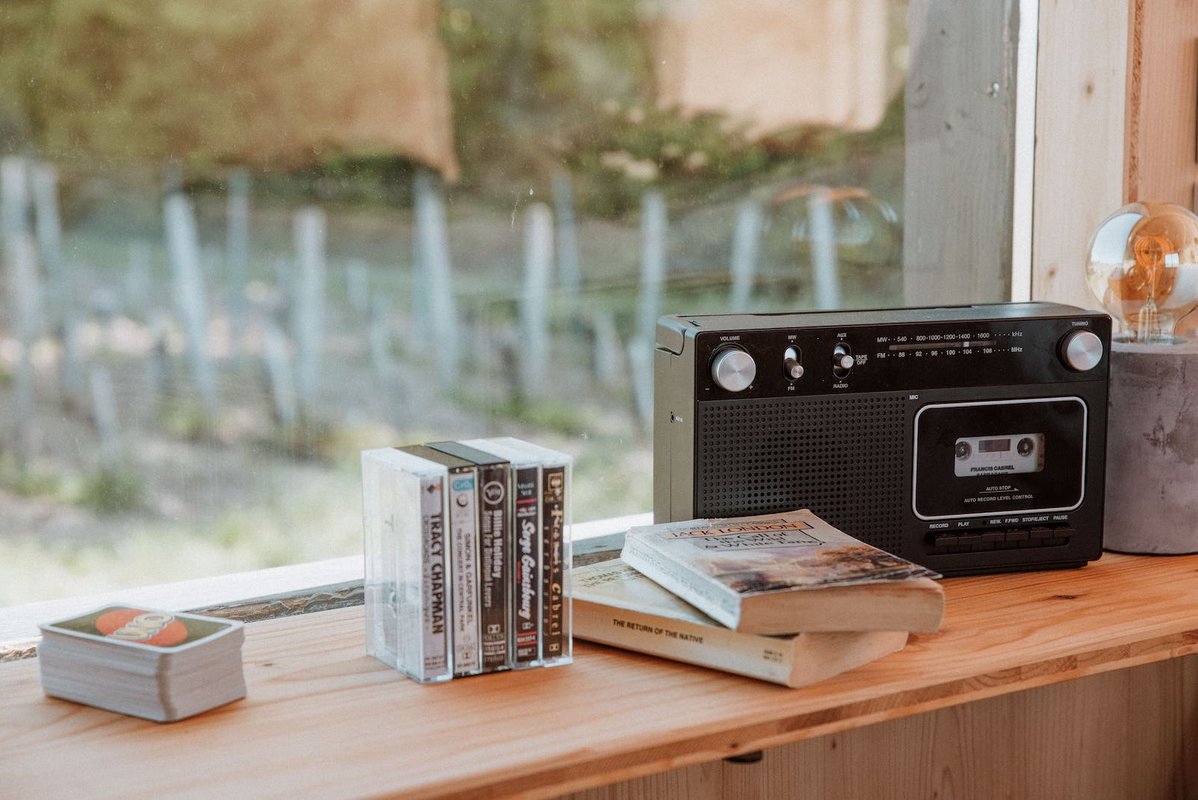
(775, 64)
(272, 83)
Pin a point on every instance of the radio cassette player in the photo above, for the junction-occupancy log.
(968, 439)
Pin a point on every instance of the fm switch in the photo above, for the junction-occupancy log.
(791, 367)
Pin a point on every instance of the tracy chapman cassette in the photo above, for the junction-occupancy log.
(969, 439)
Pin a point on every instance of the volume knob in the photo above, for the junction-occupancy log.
(733, 369)
(1082, 350)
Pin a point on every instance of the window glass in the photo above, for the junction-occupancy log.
(243, 241)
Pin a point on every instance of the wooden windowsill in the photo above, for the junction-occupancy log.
(322, 719)
(249, 596)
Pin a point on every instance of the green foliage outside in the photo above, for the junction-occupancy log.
(541, 87)
(112, 491)
(537, 88)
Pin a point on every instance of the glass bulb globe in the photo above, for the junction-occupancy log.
(1142, 266)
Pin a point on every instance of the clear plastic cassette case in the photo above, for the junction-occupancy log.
(467, 548)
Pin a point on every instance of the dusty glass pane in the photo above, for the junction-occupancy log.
(243, 241)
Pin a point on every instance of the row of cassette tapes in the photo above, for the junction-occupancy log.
(467, 545)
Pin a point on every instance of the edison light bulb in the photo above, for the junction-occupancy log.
(1143, 267)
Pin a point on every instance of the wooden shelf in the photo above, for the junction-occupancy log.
(323, 719)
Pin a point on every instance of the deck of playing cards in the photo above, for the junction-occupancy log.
(157, 665)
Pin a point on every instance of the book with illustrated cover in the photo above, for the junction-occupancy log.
(786, 573)
(616, 605)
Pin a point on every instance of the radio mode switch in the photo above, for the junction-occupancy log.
(842, 359)
(791, 367)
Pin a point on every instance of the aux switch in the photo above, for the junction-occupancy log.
(842, 360)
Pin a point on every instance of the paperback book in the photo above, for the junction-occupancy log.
(615, 604)
(786, 573)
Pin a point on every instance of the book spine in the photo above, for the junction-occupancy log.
(463, 521)
(553, 514)
(705, 645)
(436, 608)
(494, 493)
(700, 592)
(526, 604)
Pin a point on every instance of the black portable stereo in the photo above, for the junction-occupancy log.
(968, 439)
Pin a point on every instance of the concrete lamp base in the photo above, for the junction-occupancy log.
(1152, 449)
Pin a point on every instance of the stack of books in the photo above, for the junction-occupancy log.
(158, 665)
(785, 598)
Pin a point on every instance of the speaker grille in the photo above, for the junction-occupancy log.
(842, 457)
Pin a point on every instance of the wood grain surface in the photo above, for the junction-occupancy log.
(1130, 733)
(1162, 102)
(1081, 85)
(959, 112)
(322, 719)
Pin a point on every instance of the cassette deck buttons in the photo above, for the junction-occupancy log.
(733, 369)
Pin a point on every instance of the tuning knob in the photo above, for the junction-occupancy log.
(733, 369)
(1081, 350)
